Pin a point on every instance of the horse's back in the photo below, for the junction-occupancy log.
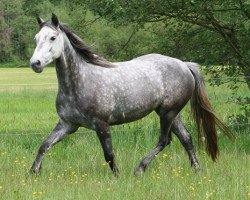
(170, 75)
(175, 73)
(152, 57)
(160, 62)
(149, 82)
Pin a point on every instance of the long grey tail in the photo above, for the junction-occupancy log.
(205, 117)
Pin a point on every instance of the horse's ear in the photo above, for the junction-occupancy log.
(54, 20)
(39, 20)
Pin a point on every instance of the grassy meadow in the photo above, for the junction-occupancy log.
(75, 168)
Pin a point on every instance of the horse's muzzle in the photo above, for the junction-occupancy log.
(36, 66)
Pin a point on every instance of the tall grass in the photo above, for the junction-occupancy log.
(75, 168)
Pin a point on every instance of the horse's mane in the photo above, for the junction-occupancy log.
(82, 49)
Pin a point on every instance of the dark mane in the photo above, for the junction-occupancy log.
(82, 49)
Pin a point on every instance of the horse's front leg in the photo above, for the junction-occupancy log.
(60, 131)
(103, 133)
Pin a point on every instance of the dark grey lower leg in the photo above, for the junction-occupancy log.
(59, 132)
(103, 133)
(164, 140)
(186, 140)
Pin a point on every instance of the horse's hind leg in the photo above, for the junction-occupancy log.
(186, 140)
(164, 140)
(59, 132)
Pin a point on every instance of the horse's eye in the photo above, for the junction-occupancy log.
(53, 38)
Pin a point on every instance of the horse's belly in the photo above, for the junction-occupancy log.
(131, 109)
(126, 117)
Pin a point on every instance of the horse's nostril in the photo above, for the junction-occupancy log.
(38, 63)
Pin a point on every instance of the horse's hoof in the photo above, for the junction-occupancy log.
(116, 173)
(35, 171)
(139, 171)
(32, 172)
(196, 167)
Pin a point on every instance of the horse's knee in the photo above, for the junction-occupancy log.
(43, 148)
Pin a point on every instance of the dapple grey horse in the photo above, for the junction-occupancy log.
(97, 94)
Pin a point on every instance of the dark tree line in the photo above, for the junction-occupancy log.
(214, 32)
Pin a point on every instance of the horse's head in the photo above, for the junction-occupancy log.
(49, 44)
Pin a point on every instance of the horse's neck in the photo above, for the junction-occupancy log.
(71, 69)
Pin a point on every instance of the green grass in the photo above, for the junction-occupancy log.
(75, 168)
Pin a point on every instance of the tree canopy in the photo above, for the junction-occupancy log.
(210, 32)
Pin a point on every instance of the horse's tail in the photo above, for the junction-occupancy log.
(204, 115)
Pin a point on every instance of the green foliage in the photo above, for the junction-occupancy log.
(118, 43)
(112, 42)
(210, 32)
(11, 38)
(241, 119)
